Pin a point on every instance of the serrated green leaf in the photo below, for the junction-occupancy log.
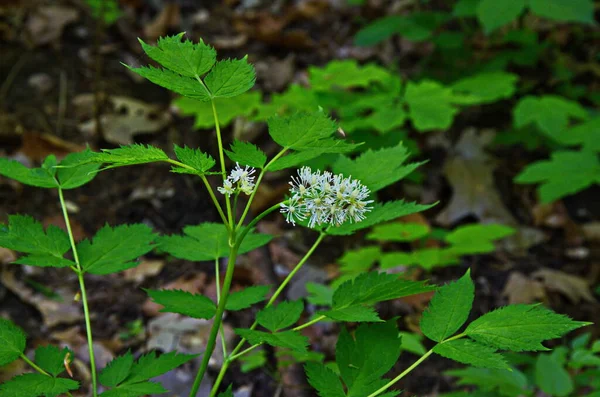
(552, 377)
(76, 173)
(149, 365)
(138, 389)
(195, 158)
(294, 159)
(488, 86)
(520, 327)
(324, 380)
(566, 172)
(128, 155)
(366, 357)
(183, 302)
(230, 78)
(51, 359)
(477, 238)
(496, 13)
(377, 169)
(449, 309)
(44, 260)
(117, 370)
(36, 385)
(39, 177)
(471, 353)
(564, 11)
(182, 85)
(430, 104)
(344, 74)
(379, 214)
(228, 109)
(24, 234)
(291, 339)
(208, 241)
(507, 383)
(353, 314)
(182, 57)
(12, 341)
(412, 343)
(246, 153)
(549, 113)
(280, 316)
(247, 297)
(115, 249)
(400, 232)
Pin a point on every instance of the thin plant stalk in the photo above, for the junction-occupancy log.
(218, 285)
(84, 301)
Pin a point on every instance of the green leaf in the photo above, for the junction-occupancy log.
(379, 214)
(586, 134)
(564, 11)
(426, 258)
(12, 342)
(324, 380)
(195, 158)
(182, 85)
(76, 173)
(228, 109)
(488, 86)
(346, 73)
(400, 232)
(359, 260)
(430, 104)
(280, 316)
(247, 153)
(24, 234)
(417, 26)
(552, 377)
(129, 155)
(51, 359)
(149, 366)
(183, 302)
(247, 297)
(185, 58)
(377, 169)
(471, 353)
(319, 294)
(136, 390)
(353, 314)
(117, 370)
(226, 393)
(44, 260)
(496, 13)
(253, 360)
(208, 241)
(115, 249)
(377, 31)
(230, 78)
(290, 339)
(364, 359)
(465, 8)
(412, 343)
(39, 177)
(35, 385)
(477, 238)
(520, 327)
(449, 309)
(508, 383)
(549, 113)
(566, 172)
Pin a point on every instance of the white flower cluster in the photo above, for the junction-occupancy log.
(325, 198)
(239, 180)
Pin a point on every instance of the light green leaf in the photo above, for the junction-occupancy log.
(207, 241)
(12, 342)
(477, 238)
(586, 134)
(359, 260)
(412, 343)
(471, 353)
(149, 365)
(496, 13)
(115, 249)
(564, 11)
(507, 383)
(136, 390)
(247, 297)
(24, 234)
(76, 173)
(565, 173)
(183, 302)
(247, 153)
(290, 339)
(44, 260)
(185, 58)
(319, 294)
(377, 169)
(194, 158)
(117, 370)
(379, 214)
(230, 78)
(520, 327)
(552, 377)
(400, 232)
(228, 109)
(488, 86)
(324, 380)
(280, 316)
(344, 74)
(427, 258)
(430, 104)
(128, 155)
(182, 85)
(51, 359)
(39, 177)
(354, 314)
(449, 309)
(36, 385)
(549, 113)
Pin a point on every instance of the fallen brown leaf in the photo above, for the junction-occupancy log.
(147, 268)
(521, 289)
(38, 146)
(573, 287)
(46, 24)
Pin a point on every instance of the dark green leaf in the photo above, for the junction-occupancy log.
(230, 78)
(195, 158)
(471, 353)
(149, 365)
(280, 316)
(182, 85)
(496, 13)
(117, 370)
(247, 297)
(138, 389)
(39, 177)
(24, 234)
(324, 380)
(76, 173)
(36, 385)
(290, 339)
(12, 342)
(182, 302)
(51, 359)
(246, 153)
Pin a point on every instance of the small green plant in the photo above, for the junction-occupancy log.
(329, 203)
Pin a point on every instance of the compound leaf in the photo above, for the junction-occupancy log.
(12, 342)
(496, 13)
(401, 232)
(115, 249)
(182, 85)
(199, 161)
(324, 380)
(117, 370)
(247, 297)
(183, 302)
(280, 316)
(552, 377)
(228, 109)
(449, 309)
(51, 359)
(290, 339)
(36, 385)
(471, 353)
(128, 155)
(520, 327)
(182, 57)
(24, 234)
(507, 383)
(246, 153)
(149, 365)
(230, 78)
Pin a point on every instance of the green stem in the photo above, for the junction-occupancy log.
(240, 354)
(308, 324)
(41, 371)
(86, 311)
(222, 160)
(218, 284)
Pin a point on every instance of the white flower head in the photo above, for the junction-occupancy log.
(227, 188)
(239, 180)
